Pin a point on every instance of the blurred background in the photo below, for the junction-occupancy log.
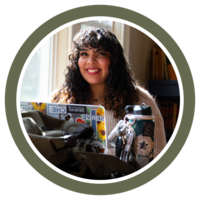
(47, 67)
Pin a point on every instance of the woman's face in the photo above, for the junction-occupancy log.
(94, 65)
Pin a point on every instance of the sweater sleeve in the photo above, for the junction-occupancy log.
(159, 132)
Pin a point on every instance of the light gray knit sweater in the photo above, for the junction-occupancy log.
(159, 132)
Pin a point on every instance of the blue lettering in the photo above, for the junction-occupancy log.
(23, 107)
(93, 118)
(93, 121)
(88, 117)
(29, 107)
(54, 109)
(101, 118)
(62, 110)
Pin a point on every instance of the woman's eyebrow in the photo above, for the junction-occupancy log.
(84, 50)
(95, 51)
(101, 49)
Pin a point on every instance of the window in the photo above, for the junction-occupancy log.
(97, 23)
(36, 81)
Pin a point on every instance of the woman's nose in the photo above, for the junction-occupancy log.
(91, 59)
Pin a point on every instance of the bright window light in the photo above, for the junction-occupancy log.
(36, 81)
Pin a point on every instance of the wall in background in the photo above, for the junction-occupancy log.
(140, 55)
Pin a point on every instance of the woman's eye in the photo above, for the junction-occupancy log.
(83, 54)
(102, 53)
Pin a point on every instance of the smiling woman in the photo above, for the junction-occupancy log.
(94, 65)
(99, 73)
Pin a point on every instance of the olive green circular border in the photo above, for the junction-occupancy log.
(90, 11)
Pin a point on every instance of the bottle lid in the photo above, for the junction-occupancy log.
(138, 110)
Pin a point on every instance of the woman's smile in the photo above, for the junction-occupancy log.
(94, 65)
(92, 71)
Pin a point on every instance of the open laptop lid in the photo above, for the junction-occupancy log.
(93, 115)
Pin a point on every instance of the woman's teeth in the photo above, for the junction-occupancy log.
(93, 70)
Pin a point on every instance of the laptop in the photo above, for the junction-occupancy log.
(92, 115)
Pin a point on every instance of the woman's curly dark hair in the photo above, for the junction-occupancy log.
(120, 84)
